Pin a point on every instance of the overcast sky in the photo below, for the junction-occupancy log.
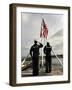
(31, 26)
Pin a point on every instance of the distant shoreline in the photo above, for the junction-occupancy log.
(53, 56)
(61, 56)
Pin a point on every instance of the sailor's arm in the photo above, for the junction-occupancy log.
(40, 44)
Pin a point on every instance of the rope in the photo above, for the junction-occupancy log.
(57, 58)
(25, 59)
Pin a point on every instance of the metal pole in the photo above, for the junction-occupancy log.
(57, 58)
(42, 54)
(25, 59)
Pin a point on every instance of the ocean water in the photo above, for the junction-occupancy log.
(54, 59)
(26, 51)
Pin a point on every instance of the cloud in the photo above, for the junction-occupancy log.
(31, 26)
(57, 34)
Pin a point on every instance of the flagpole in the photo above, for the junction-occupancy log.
(42, 51)
(43, 41)
(43, 46)
(43, 35)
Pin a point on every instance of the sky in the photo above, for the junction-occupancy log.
(31, 26)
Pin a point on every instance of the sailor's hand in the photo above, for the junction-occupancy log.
(38, 42)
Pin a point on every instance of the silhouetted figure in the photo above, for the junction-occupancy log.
(34, 52)
(47, 52)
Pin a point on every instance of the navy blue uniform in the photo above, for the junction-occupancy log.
(34, 52)
(47, 52)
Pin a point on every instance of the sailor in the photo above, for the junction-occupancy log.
(34, 52)
(47, 52)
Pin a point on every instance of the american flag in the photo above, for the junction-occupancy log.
(44, 30)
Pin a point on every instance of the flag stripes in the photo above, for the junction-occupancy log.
(44, 30)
